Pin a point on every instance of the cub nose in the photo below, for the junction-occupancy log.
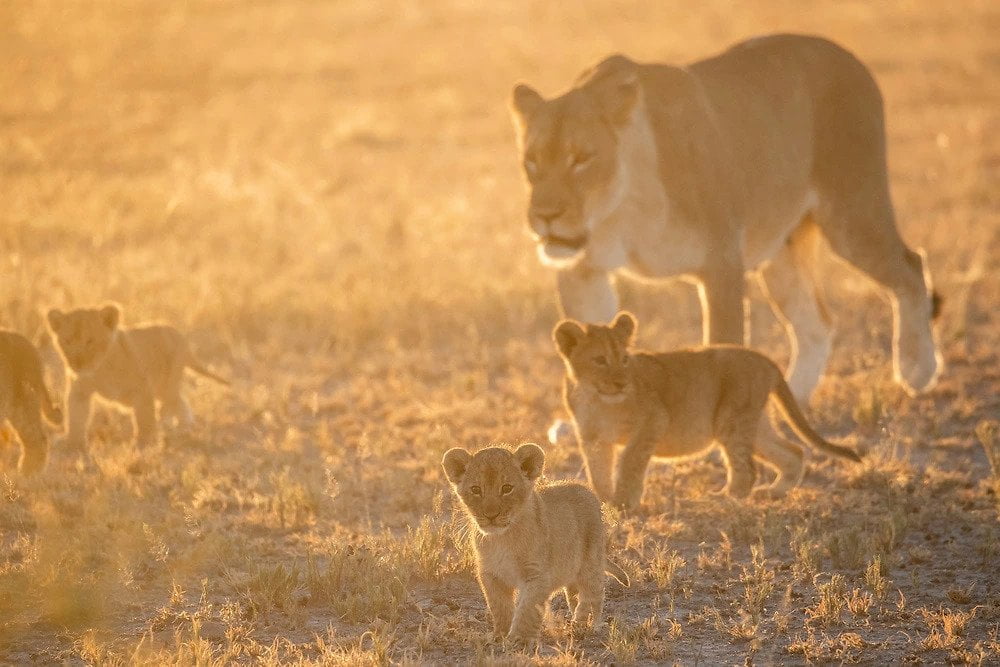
(490, 516)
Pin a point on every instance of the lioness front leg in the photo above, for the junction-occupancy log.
(500, 600)
(587, 295)
(721, 290)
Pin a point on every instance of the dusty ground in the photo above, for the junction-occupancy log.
(326, 196)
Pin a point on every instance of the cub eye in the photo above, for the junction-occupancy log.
(506, 489)
(476, 491)
(601, 360)
(530, 168)
(579, 161)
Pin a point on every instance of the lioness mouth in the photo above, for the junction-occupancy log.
(574, 243)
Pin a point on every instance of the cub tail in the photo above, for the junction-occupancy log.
(198, 368)
(617, 573)
(794, 417)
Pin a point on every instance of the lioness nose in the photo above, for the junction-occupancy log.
(548, 215)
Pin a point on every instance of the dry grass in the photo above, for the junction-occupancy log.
(326, 197)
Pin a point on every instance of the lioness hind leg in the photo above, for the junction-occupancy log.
(792, 286)
(741, 471)
(863, 232)
(786, 458)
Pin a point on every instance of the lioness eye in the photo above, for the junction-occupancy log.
(505, 489)
(601, 360)
(476, 491)
(625, 360)
(580, 160)
(530, 167)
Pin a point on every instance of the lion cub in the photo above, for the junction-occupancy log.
(132, 367)
(23, 398)
(676, 404)
(532, 541)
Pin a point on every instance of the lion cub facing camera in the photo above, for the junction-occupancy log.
(24, 398)
(132, 367)
(535, 541)
(676, 404)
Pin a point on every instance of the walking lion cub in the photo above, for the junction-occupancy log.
(24, 398)
(532, 541)
(676, 404)
(133, 367)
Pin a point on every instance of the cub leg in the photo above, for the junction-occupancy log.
(598, 459)
(500, 600)
(632, 466)
(529, 611)
(721, 293)
(144, 419)
(741, 472)
(34, 442)
(793, 290)
(572, 598)
(174, 404)
(77, 415)
(787, 460)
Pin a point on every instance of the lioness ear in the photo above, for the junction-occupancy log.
(455, 461)
(110, 315)
(531, 459)
(524, 102)
(567, 335)
(616, 83)
(55, 318)
(624, 326)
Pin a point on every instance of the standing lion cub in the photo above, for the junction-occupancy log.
(132, 367)
(24, 398)
(532, 541)
(676, 404)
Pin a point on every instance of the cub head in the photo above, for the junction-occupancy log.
(569, 152)
(84, 335)
(597, 355)
(494, 483)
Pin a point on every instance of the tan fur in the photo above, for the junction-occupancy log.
(531, 541)
(135, 368)
(24, 398)
(742, 161)
(676, 404)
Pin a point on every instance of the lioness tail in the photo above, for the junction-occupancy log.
(201, 370)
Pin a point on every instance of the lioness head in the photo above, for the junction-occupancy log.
(494, 483)
(597, 355)
(84, 335)
(569, 150)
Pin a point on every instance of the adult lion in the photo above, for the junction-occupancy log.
(746, 160)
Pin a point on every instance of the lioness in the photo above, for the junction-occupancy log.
(534, 541)
(745, 160)
(23, 398)
(676, 404)
(132, 367)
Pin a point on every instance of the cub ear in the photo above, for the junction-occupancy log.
(531, 459)
(615, 81)
(455, 462)
(110, 314)
(55, 318)
(567, 335)
(624, 326)
(524, 102)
